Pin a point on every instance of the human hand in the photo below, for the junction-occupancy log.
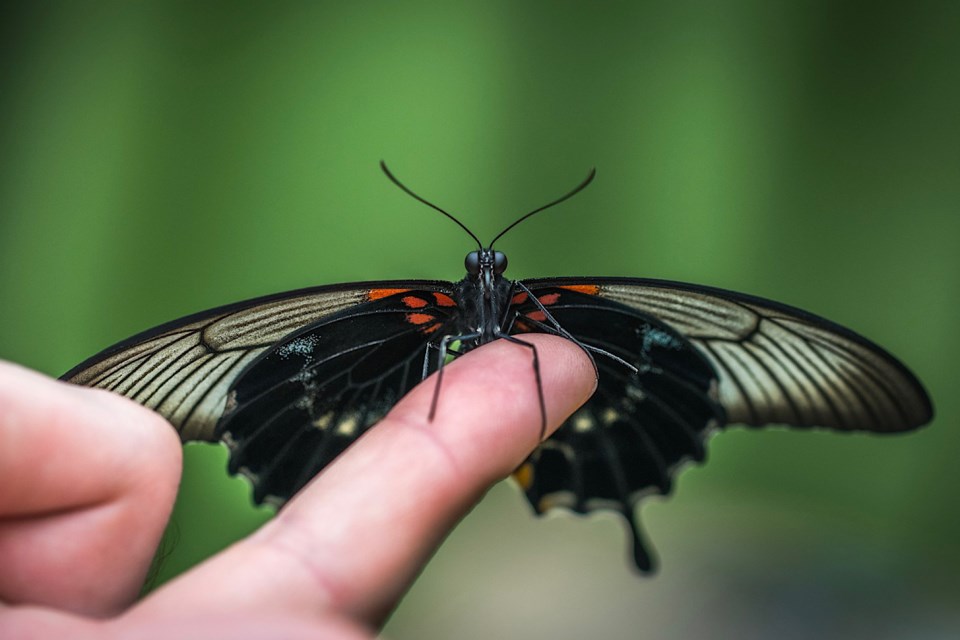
(88, 480)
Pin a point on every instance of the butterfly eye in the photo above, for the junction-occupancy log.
(499, 262)
(472, 262)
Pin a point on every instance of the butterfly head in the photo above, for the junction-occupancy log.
(485, 265)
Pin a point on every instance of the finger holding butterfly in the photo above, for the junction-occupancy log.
(355, 538)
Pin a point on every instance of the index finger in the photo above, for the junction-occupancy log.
(359, 533)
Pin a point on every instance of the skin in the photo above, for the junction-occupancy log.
(89, 479)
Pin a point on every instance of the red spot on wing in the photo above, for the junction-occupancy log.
(444, 300)
(420, 318)
(519, 298)
(548, 299)
(376, 294)
(539, 316)
(413, 302)
(589, 289)
(427, 323)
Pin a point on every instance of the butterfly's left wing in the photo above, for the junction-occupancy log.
(705, 357)
(287, 381)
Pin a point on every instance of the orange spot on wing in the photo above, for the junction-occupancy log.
(376, 294)
(538, 316)
(444, 300)
(420, 318)
(414, 302)
(524, 475)
(519, 298)
(589, 289)
(550, 298)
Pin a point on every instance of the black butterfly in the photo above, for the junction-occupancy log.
(288, 381)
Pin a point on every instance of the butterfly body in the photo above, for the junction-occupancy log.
(289, 381)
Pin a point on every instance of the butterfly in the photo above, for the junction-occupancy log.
(289, 381)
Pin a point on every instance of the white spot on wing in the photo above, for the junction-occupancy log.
(653, 336)
(302, 346)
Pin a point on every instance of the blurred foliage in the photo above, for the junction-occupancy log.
(158, 158)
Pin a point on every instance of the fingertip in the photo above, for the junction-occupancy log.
(574, 371)
(489, 400)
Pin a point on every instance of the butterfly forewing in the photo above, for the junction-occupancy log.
(183, 369)
(777, 364)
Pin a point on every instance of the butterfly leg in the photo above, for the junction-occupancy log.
(426, 360)
(589, 348)
(536, 373)
(426, 357)
(546, 313)
(556, 329)
(442, 349)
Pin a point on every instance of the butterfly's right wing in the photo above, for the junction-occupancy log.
(183, 369)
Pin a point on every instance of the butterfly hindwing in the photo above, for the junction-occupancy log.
(630, 437)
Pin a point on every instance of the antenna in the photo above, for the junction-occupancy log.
(383, 165)
(576, 190)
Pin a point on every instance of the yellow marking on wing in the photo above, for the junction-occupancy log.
(524, 475)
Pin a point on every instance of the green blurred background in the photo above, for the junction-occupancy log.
(159, 158)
